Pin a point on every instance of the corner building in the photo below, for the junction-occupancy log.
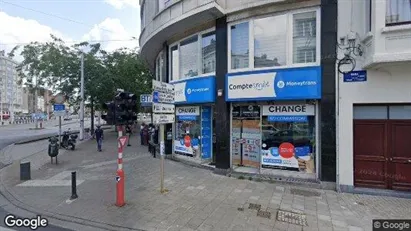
(374, 119)
(254, 82)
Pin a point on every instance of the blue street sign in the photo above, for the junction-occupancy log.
(59, 107)
(146, 100)
(155, 97)
(355, 76)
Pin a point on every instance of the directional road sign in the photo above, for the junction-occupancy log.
(163, 108)
(59, 109)
(163, 118)
(163, 87)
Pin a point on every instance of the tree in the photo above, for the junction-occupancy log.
(57, 65)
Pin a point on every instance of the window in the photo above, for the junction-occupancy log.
(142, 16)
(286, 40)
(270, 42)
(368, 14)
(398, 12)
(159, 67)
(174, 63)
(239, 45)
(188, 57)
(193, 56)
(304, 37)
(208, 52)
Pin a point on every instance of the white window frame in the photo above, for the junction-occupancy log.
(199, 57)
(159, 72)
(289, 41)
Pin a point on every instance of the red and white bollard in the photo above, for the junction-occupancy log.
(120, 172)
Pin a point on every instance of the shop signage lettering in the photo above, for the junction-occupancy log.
(257, 86)
(188, 110)
(289, 110)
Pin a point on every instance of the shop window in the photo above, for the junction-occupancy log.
(304, 36)
(188, 131)
(208, 44)
(239, 45)
(270, 42)
(370, 112)
(288, 137)
(398, 12)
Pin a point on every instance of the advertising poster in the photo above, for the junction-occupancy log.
(251, 136)
(188, 131)
(206, 135)
(288, 156)
(236, 136)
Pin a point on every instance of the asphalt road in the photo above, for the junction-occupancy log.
(13, 133)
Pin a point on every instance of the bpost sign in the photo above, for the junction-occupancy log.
(146, 100)
(295, 83)
(198, 90)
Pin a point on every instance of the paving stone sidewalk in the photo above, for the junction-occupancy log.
(197, 200)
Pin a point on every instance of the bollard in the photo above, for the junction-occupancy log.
(25, 173)
(73, 186)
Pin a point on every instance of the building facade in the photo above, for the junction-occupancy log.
(254, 82)
(11, 94)
(374, 113)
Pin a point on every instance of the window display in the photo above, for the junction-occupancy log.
(288, 137)
(188, 131)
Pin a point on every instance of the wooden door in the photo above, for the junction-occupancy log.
(399, 164)
(371, 153)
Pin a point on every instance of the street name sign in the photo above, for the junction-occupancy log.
(163, 118)
(163, 103)
(59, 109)
(163, 108)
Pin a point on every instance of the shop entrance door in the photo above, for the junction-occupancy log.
(382, 158)
(246, 136)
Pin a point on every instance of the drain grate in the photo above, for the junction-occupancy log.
(264, 214)
(291, 217)
(240, 209)
(306, 193)
(254, 206)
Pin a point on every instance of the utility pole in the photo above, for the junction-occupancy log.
(82, 98)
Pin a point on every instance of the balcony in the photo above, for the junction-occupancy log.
(389, 40)
(174, 20)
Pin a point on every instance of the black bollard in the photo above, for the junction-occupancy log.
(128, 143)
(73, 186)
(25, 172)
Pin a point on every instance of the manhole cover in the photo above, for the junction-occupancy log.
(264, 214)
(293, 218)
(254, 206)
(306, 193)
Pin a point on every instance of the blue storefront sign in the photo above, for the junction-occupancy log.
(287, 118)
(355, 76)
(283, 84)
(146, 100)
(206, 132)
(197, 90)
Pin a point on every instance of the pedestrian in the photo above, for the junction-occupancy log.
(141, 133)
(145, 134)
(99, 137)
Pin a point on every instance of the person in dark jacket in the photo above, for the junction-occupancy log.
(99, 137)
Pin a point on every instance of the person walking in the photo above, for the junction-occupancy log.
(99, 137)
(141, 133)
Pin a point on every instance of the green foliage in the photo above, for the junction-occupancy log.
(57, 65)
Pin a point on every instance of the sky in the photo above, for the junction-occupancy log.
(113, 23)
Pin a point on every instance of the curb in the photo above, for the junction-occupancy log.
(13, 199)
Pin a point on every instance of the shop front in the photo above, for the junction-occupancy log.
(193, 129)
(274, 118)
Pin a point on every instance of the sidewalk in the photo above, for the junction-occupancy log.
(197, 200)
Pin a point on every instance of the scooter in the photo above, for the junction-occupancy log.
(68, 141)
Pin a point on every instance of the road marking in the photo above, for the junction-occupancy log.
(48, 183)
(61, 175)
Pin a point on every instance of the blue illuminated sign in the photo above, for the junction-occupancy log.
(146, 100)
(197, 90)
(279, 84)
(187, 118)
(206, 140)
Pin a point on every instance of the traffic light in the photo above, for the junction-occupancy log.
(125, 108)
(109, 108)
